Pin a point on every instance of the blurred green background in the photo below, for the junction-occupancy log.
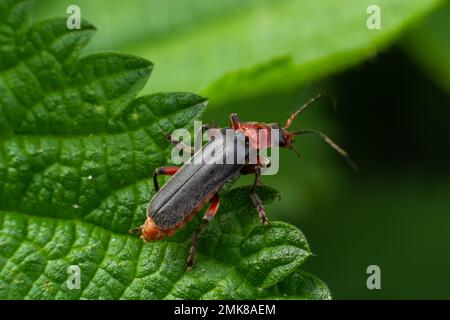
(263, 59)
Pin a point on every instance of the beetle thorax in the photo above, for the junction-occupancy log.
(258, 134)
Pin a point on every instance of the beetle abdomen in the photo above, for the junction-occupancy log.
(151, 231)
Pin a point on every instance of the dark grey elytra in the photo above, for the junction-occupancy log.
(193, 183)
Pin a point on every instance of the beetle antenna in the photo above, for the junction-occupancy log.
(332, 144)
(308, 104)
(295, 151)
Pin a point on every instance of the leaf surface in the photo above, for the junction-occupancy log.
(428, 44)
(247, 47)
(77, 151)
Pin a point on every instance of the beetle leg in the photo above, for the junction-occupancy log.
(257, 181)
(209, 214)
(256, 169)
(264, 162)
(261, 161)
(174, 142)
(254, 196)
(198, 142)
(189, 149)
(211, 125)
(259, 206)
(166, 171)
(256, 199)
(235, 123)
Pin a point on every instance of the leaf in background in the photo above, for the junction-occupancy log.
(77, 150)
(300, 285)
(428, 43)
(248, 47)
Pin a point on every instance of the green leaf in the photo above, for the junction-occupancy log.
(77, 150)
(248, 47)
(300, 285)
(428, 43)
(237, 257)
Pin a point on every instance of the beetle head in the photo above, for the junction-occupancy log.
(286, 138)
